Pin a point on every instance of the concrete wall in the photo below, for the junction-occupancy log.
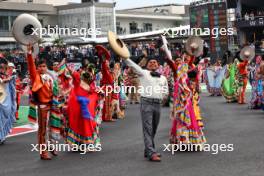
(57, 2)
(51, 20)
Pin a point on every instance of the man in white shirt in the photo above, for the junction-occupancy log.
(153, 89)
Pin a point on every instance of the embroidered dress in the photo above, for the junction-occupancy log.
(7, 108)
(84, 114)
(257, 89)
(107, 81)
(242, 78)
(185, 127)
(214, 77)
(194, 85)
(229, 86)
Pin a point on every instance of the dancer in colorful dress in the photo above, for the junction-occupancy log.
(84, 109)
(229, 86)
(122, 96)
(169, 75)
(116, 73)
(194, 85)
(256, 84)
(185, 126)
(242, 77)
(214, 78)
(85, 105)
(11, 70)
(65, 86)
(7, 101)
(247, 54)
(107, 83)
(185, 122)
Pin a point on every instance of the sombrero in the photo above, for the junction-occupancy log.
(118, 45)
(22, 29)
(247, 53)
(194, 46)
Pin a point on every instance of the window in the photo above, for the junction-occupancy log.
(133, 27)
(12, 19)
(4, 23)
(104, 19)
(30, 1)
(147, 27)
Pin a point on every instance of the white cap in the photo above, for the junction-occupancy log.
(10, 64)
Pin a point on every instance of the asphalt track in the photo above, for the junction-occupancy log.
(122, 148)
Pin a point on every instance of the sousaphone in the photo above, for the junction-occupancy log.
(247, 53)
(194, 46)
(118, 45)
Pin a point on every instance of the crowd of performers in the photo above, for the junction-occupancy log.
(231, 80)
(71, 104)
(66, 102)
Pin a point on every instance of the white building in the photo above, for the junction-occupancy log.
(89, 15)
(151, 18)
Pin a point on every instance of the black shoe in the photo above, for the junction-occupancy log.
(2, 142)
(115, 116)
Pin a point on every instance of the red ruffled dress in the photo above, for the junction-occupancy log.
(84, 114)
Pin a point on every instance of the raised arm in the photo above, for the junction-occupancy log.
(168, 59)
(31, 66)
(172, 65)
(136, 67)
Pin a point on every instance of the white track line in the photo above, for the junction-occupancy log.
(33, 128)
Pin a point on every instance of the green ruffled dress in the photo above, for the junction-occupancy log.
(230, 85)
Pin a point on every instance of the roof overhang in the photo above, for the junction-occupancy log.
(157, 17)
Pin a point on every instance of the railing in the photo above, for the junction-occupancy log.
(249, 18)
(250, 22)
